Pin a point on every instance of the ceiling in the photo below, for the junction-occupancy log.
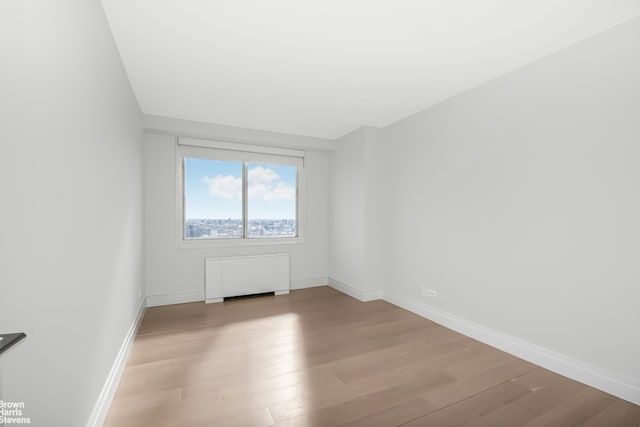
(324, 68)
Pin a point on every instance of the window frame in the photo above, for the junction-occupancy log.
(180, 156)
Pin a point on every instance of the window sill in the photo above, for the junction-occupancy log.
(235, 243)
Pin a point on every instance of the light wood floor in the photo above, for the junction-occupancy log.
(318, 357)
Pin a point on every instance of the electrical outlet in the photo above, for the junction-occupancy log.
(432, 293)
(424, 291)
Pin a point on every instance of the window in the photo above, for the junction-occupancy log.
(234, 192)
(212, 199)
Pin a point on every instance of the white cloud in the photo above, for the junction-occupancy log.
(228, 186)
(266, 184)
(281, 191)
(257, 190)
(260, 175)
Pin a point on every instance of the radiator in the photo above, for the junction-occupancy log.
(247, 275)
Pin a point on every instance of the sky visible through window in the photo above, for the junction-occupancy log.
(213, 190)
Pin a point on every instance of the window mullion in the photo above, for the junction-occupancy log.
(297, 201)
(245, 204)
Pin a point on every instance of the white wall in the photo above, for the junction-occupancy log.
(357, 237)
(377, 234)
(518, 201)
(177, 274)
(71, 246)
(346, 221)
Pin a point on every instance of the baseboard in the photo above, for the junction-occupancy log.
(99, 413)
(308, 283)
(624, 388)
(174, 298)
(353, 291)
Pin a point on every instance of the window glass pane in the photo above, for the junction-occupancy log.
(271, 200)
(212, 199)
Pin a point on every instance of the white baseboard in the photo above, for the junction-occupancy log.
(308, 283)
(100, 409)
(624, 388)
(175, 298)
(353, 291)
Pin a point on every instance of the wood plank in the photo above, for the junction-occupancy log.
(476, 407)
(317, 357)
(620, 413)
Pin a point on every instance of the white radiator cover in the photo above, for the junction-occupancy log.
(236, 276)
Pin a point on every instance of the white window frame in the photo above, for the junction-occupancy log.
(202, 148)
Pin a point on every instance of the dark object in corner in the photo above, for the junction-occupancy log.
(7, 341)
(266, 294)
